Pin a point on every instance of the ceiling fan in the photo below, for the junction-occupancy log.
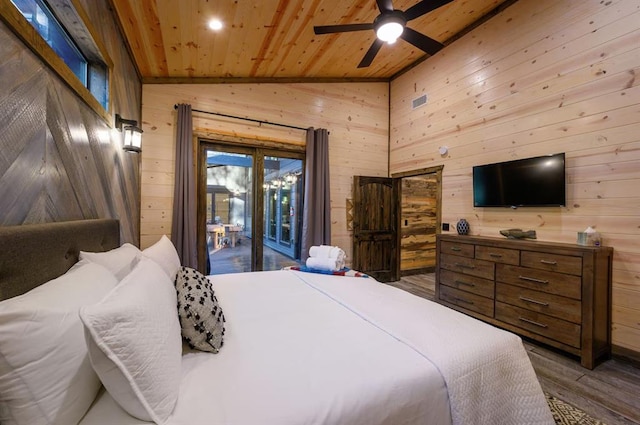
(391, 25)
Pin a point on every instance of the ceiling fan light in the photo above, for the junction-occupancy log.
(390, 31)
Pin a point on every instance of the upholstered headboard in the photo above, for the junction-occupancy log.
(33, 254)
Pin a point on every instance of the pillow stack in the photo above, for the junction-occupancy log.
(110, 320)
(326, 257)
(133, 333)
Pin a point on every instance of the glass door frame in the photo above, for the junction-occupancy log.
(258, 150)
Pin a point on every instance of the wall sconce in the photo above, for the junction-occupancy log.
(132, 134)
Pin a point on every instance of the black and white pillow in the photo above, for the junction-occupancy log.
(201, 317)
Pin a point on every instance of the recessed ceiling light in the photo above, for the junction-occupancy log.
(215, 24)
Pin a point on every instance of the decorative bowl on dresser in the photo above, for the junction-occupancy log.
(555, 293)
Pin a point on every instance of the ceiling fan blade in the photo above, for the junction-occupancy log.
(424, 7)
(371, 53)
(421, 41)
(385, 5)
(330, 29)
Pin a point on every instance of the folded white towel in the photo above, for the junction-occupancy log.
(327, 251)
(338, 253)
(320, 251)
(330, 264)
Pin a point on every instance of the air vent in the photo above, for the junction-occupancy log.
(419, 101)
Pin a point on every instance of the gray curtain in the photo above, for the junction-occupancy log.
(316, 215)
(183, 225)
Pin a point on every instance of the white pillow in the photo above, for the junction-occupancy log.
(134, 342)
(120, 261)
(45, 374)
(164, 253)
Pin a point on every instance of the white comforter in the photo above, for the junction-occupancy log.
(304, 348)
(488, 374)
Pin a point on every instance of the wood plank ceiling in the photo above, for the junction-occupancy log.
(274, 40)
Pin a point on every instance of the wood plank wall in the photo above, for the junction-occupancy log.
(544, 76)
(356, 114)
(59, 160)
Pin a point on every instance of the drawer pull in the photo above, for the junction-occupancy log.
(460, 282)
(464, 266)
(462, 300)
(455, 248)
(531, 279)
(529, 300)
(542, 325)
(549, 262)
(494, 255)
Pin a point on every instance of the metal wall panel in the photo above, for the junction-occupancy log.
(59, 160)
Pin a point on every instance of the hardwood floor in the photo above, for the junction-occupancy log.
(610, 392)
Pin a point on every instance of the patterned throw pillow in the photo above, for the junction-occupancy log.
(201, 318)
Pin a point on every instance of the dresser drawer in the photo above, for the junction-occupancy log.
(473, 284)
(542, 302)
(552, 262)
(467, 300)
(499, 255)
(461, 249)
(541, 324)
(470, 266)
(540, 280)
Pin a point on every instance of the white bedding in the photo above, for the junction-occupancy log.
(302, 348)
(488, 374)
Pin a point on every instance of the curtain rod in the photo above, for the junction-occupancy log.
(246, 119)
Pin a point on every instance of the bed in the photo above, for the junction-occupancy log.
(299, 348)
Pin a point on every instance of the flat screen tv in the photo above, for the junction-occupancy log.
(530, 182)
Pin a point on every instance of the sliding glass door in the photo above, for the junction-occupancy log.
(249, 206)
(229, 200)
(282, 193)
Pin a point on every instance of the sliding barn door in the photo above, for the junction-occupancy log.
(420, 221)
(375, 227)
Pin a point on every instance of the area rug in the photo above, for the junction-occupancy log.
(566, 414)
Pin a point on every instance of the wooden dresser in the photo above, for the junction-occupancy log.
(555, 293)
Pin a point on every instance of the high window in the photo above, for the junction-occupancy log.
(92, 73)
